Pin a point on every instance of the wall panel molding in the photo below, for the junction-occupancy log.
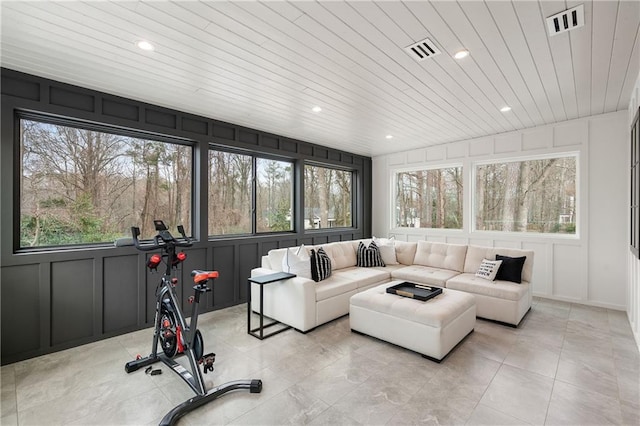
(53, 277)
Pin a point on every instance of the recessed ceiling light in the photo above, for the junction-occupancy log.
(461, 54)
(389, 136)
(145, 45)
(316, 109)
(505, 108)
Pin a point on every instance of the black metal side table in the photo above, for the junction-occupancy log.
(262, 281)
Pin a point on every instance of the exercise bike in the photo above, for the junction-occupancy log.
(172, 332)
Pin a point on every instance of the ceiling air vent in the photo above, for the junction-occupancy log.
(566, 21)
(422, 50)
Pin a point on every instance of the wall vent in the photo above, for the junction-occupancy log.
(422, 50)
(565, 21)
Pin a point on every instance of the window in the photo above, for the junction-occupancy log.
(527, 196)
(328, 197)
(274, 195)
(230, 194)
(80, 185)
(429, 198)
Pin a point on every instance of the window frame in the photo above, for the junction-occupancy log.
(55, 120)
(353, 207)
(517, 159)
(394, 196)
(254, 193)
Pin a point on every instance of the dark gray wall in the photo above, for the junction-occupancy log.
(56, 299)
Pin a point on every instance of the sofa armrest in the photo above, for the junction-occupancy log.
(291, 301)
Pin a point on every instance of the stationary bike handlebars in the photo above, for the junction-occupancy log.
(162, 240)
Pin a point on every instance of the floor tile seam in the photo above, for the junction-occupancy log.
(590, 389)
(487, 387)
(546, 414)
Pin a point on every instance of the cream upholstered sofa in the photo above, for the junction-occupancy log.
(305, 304)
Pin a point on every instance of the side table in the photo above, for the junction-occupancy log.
(262, 281)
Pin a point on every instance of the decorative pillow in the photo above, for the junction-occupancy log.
(320, 265)
(488, 269)
(368, 256)
(297, 261)
(387, 248)
(511, 268)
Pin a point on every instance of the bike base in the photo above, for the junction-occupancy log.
(254, 386)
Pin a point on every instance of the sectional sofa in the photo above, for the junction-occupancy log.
(305, 304)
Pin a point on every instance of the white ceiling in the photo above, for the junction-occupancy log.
(266, 64)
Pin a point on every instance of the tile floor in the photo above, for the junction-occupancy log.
(567, 364)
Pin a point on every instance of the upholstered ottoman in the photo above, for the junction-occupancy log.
(431, 328)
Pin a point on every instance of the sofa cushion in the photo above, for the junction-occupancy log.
(475, 254)
(297, 261)
(363, 277)
(342, 254)
(405, 252)
(387, 248)
(368, 256)
(498, 289)
(334, 286)
(488, 269)
(511, 268)
(440, 255)
(320, 265)
(423, 275)
(275, 257)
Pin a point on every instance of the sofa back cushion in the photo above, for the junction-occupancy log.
(342, 254)
(475, 254)
(441, 255)
(297, 261)
(405, 252)
(275, 257)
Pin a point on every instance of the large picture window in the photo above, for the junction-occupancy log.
(328, 197)
(429, 198)
(80, 185)
(230, 194)
(527, 196)
(274, 195)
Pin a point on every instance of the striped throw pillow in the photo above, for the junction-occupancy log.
(369, 256)
(320, 265)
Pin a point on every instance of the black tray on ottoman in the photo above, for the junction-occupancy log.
(414, 291)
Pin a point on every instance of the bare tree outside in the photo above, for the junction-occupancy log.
(328, 197)
(84, 186)
(527, 196)
(230, 176)
(429, 198)
(274, 195)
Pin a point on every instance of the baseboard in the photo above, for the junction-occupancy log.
(582, 302)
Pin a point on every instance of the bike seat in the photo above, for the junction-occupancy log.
(202, 276)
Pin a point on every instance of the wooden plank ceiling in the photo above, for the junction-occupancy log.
(266, 64)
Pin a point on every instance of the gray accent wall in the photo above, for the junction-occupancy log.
(56, 299)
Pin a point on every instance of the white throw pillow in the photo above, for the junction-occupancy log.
(297, 261)
(387, 248)
(488, 269)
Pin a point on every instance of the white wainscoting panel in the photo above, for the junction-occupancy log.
(586, 268)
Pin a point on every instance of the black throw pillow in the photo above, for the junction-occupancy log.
(368, 256)
(320, 265)
(511, 268)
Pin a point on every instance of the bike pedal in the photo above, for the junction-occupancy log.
(148, 370)
(156, 372)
